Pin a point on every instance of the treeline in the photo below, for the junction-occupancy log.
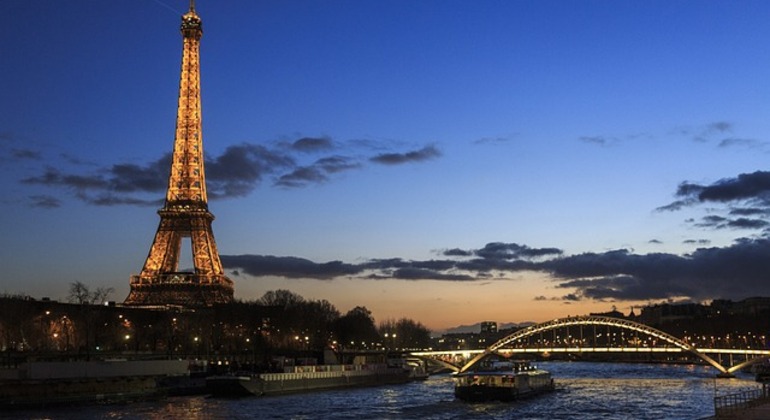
(279, 323)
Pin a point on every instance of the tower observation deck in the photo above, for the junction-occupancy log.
(185, 213)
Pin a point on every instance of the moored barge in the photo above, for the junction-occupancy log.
(307, 378)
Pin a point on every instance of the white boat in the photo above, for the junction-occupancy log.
(502, 380)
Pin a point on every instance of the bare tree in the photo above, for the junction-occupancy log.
(81, 294)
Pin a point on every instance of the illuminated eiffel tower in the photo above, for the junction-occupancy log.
(185, 213)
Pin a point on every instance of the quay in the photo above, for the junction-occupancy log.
(752, 404)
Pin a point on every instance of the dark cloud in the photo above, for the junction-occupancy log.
(134, 178)
(746, 198)
(318, 173)
(240, 169)
(733, 272)
(300, 177)
(509, 251)
(312, 144)
(426, 153)
(54, 177)
(504, 251)
(655, 241)
(736, 271)
(414, 273)
(236, 172)
(289, 267)
(745, 223)
(334, 164)
(677, 205)
(107, 199)
(743, 187)
(457, 252)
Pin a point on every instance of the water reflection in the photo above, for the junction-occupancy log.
(584, 390)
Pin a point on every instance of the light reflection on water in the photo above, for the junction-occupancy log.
(584, 391)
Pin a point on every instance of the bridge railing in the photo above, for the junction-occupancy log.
(731, 405)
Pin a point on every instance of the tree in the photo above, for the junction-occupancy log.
(356, 328)
(404, 334)
(281, 297)
(81, 294)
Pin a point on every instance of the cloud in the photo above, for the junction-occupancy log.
(318, 173)
(597, 140)
(312, 144)
(747, 197)
(44, 201)
(426, 153)
(26, 154)
(334, 164)
(236, 172)
(241, 168)
(289, 267)
(746, 143)
(494, 140)
(413, 273)
(732, 272)
(696, 242)
(301, 177)
(457, 252)
(736, 271)
(755, 185)
(707, 132)
(508, 251)
(504, 251)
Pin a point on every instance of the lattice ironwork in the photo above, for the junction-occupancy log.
(185, 213)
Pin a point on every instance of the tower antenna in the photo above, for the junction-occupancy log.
(192, 6)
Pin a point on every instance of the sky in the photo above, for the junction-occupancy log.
(446, 161)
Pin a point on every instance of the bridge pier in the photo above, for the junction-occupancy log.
(725, 375)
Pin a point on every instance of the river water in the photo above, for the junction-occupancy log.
(583, 391)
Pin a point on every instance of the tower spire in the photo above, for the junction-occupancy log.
(185, 211)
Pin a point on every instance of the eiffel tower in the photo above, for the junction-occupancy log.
(185, 213)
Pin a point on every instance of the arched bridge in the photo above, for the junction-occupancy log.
(670, 343)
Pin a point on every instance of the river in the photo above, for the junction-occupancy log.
(583, 391)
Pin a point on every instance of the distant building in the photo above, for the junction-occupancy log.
(488, 327)
(663, 313)
(614, 313)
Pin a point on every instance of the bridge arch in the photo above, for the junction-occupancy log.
(591, 320)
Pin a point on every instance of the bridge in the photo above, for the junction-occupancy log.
(641, 339)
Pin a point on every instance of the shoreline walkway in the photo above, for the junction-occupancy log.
(747, 405)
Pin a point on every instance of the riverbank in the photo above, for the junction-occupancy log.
(61, 383)
(747, 404)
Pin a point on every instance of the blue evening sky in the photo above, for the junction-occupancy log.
(448, 161)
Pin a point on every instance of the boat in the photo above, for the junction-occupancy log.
(306, 378)
(498, 379)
